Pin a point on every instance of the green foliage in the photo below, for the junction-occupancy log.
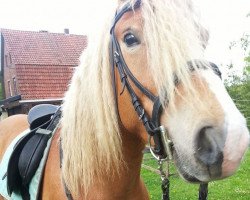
(235, 187)
(239, 86)
(241, 95)
(244, 44)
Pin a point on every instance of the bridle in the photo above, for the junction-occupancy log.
(151, 125)
(162, 150)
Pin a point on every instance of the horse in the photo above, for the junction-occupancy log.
(147, 54)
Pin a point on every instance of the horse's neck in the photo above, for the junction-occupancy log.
(125, 186)
(128, 184)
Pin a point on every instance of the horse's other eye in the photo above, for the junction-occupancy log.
(130, 40)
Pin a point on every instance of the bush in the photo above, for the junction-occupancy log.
(240, 93)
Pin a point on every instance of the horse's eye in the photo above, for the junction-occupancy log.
(130, 40)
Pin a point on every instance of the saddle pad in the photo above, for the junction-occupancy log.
(36, 180)
(3, 168)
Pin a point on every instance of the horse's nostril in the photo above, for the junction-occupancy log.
(208, 150)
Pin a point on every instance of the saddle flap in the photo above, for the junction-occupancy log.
(13, 176)
(31, 155)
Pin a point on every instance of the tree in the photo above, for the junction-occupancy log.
(239, 86)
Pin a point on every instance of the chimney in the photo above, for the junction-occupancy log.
(66, 31)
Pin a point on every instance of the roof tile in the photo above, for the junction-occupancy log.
(44, 48)
(43, 82)
(44, 61)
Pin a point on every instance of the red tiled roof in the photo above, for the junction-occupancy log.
(44, 48)
(44, 61)
(43, 82)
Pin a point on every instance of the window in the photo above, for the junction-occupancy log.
(9, 87)
(15, 85)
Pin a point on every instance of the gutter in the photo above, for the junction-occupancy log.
(41, 101)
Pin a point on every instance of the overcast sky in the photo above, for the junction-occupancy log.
(226, 20)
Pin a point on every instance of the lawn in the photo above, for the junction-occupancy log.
(236, 187)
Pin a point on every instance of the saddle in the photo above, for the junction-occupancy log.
(29, 150)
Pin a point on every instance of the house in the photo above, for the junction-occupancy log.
(36, 67)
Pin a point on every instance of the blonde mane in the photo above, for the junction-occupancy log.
(91, 139)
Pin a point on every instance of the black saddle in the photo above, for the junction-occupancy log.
(40, 114)
(29, 150)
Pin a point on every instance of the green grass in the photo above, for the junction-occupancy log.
(236, 187)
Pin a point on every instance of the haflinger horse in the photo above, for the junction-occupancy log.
(145, 54)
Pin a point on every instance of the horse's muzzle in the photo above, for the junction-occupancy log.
(209, 150)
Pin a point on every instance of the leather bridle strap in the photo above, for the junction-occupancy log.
(152, 126)
(125, 73)
(125, 70)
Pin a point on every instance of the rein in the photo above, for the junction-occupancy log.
(163, 145)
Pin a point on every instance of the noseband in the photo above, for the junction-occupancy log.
(162, 150)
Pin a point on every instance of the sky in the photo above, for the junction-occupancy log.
(225, 19)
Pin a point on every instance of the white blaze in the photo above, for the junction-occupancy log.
(237, 138)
